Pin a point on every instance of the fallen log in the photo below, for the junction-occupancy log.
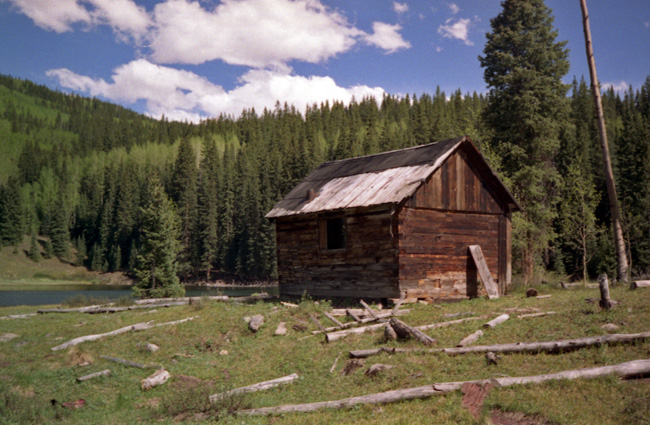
(352, 324)
(130, 328)
(333, 319)
(334, 336)
(255, 387)
(640, 284)
(470, 338)
(361, 312)
(353, 315)
(497, 321)
(158, 378)
(624, 370)
(546, 313)
(370, 310)
(517, 347)
(319, 324)
(404, 331)
(126, 362)
(105, 372)
(18, 316)
(543, 296)
(333, 368)
(397, 306)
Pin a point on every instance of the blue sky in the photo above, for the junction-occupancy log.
(191, 59)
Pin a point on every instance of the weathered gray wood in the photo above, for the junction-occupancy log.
(18, 316)
(334, 336)
(333, 368)
(353, 315)
(255, 387)
(126, 362)
(281, 329)
(389, 333)
(158, 378)
(603, 283)
(256, 322)
(404, 331)
(361, 312)
(470, 338)
(633, 368)
(130, 328)
(333, 319)
(544, 296)
(559, 346)
(540, 314)
(497, 321)
(484, 271)
(370, 310)
(640, 284)
(315, 320)
(397, 305)
(104, 372)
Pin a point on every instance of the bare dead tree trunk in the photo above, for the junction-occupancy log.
(609, 175)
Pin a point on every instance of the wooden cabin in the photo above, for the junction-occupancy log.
(396, 224)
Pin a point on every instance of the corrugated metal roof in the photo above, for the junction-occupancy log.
(366, 181)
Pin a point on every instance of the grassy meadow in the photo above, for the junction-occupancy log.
(216, 352)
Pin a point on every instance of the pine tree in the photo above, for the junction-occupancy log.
(49, 250)
(184, 194)
(34, 252)
(157, 265)
(59, 234)
(11, 214)
(208, 219)
(523, 68)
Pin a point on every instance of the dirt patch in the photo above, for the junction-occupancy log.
(473, 396)
(499, 417)
(185, 382)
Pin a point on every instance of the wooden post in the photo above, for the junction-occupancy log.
(605, 303)
(615, 210)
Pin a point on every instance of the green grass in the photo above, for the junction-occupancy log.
(32, 375)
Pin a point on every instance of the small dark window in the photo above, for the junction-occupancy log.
(333, 233)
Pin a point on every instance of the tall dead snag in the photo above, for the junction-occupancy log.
(609, 174)
(624, 370)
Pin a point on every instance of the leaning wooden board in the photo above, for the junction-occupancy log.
(484, 272)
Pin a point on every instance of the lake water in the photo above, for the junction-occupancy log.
(48, 294)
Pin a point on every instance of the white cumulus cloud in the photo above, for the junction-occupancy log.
(454, 8)
(400, 8)
(387, 37)
(124, 16)
(619, 87)
(456, 29)
(183, 95)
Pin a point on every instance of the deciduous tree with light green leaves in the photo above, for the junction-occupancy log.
(526, 113)
(156, 268)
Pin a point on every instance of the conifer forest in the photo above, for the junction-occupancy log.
(92, 178)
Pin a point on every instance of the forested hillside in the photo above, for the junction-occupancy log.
(80, 172)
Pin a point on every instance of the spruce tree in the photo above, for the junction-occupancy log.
(526, 113)
(208, 207)
(157, 265)
(34, 252)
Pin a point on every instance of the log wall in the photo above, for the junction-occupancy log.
(367, 267)
(453, 209)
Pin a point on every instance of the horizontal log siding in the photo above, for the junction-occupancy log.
(367, 267)
(434, 259)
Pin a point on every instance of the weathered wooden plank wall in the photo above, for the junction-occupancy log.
(455, 208)
(368, 266)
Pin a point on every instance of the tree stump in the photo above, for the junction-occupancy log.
(531, 292)
(605, 303)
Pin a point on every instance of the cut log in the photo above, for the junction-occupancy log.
(158, 378)
(470, 338)
(130, 328)
(256, 323)
(334, 336)
(540, 314)
(389, 333)
(281, 329)
(559, 346)
(640, 284)
(624, 370)
(315, 320)
(333, 319)
(603, 283)
(404, 331)
(105, 372)
(126, 362)
(543, 296)
(370, 310)
(291, 305)
(484, 271)
(497, 321)
(353, 315)
(262, 386)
